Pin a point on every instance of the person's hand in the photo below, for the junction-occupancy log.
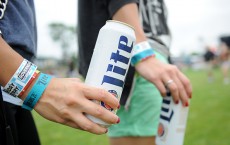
(66, 101)
(164, 76)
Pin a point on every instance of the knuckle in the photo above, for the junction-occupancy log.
(87, 127)
(153, 78)
(102, 94)
(64, 121)
(70, 101)
(174, 88)
(99, 111)
(65, 114)
(186, 82)
(58, 120)
(180, 88)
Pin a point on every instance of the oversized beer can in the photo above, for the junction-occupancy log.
(172, 123)
(110, 61)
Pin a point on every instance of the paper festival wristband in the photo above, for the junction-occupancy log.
(36, 91)
(141, 51)
(20, 78)
(29, 83)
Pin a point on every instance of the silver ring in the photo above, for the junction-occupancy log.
(168, 82)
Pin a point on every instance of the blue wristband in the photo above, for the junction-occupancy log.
(140, 56)
(36, 91)
(140, 52)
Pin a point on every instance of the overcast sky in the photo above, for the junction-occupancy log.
(190, 22)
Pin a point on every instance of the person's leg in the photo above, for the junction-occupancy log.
(139, 123)
(133, 141)
(225, 72)
(209, 69)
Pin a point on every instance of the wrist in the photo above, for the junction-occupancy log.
(36, 91)
(20, 79)
(141, 52)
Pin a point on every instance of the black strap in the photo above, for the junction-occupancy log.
(128, 85)
(4, 124)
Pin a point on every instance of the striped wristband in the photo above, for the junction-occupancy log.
(20, 78)
(140, 52)
(36, 91)
(29, 83)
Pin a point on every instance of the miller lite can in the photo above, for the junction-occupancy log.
(172, 123)
(110, 61)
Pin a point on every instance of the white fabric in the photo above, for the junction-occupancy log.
(10, 99)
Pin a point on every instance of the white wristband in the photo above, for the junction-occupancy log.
(140, 52)
(20, 78)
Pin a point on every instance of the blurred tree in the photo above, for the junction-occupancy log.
(65, 36)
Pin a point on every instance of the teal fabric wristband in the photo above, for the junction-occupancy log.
(141, 51)
(36, 91)
(142, 55)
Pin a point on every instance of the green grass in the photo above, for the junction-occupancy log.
(208, 120)
(209, 117)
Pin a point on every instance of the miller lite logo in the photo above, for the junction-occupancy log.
(161, 130)
(114, 68)
(166, 112)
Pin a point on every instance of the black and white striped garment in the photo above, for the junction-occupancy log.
(153, 15)
(3, 4)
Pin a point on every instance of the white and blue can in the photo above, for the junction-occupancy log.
(110, 61)
(172, 123)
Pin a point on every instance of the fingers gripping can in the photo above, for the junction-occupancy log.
(172, 123)
(110, 61)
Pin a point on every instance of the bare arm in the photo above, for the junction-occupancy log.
(65, 100)
(129, 15)
(9, 62)
(152, 69)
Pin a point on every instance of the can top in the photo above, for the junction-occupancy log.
(121, 23)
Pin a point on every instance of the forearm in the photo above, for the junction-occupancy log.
(9, 62)
(129, 14)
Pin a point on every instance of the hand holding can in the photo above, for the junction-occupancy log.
(110, 61)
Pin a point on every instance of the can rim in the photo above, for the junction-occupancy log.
(121, 23)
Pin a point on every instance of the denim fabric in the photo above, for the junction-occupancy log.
(18, 27)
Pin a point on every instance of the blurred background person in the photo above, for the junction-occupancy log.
(225, 58)
(209, 58)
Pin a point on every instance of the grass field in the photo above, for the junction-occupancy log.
(208, 120)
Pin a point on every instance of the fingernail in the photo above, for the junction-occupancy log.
(106, 130)
(186, 104)
(118, 120)
(177, 101)
(119, 106)
(190, 96)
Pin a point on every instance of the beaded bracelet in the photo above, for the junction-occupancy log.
(141, 51)
(36, 91)
(20, 78)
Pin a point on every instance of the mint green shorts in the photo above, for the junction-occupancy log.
(141, 118)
